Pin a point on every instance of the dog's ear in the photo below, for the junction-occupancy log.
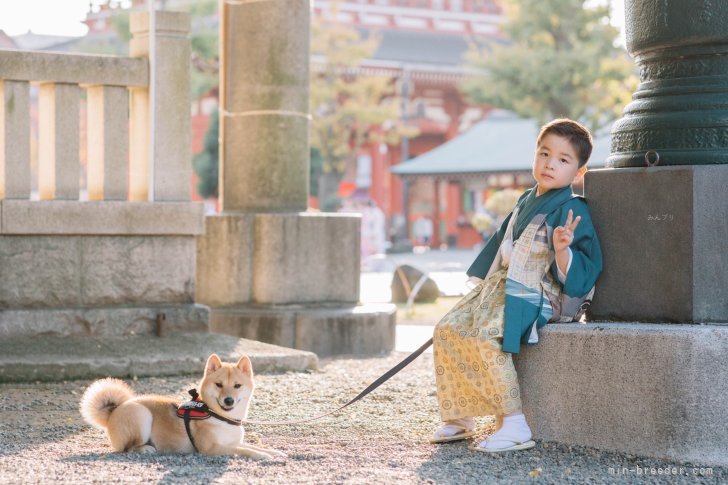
(245, 366)
(213, 363)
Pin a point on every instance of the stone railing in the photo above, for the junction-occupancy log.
(123, 119)
(114, 263)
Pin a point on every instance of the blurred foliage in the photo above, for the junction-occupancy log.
(348, 110)
(203, 38)
(498, 205)
(560, 60)
(501, 203)
(206, 163)
(483, 222)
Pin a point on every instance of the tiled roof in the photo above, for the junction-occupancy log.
(502, 142)
(421, 47)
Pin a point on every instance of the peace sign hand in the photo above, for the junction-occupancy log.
(564, 235)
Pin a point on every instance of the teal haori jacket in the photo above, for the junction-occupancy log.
(586, 263)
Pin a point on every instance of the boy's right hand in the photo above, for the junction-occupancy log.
(564, 235)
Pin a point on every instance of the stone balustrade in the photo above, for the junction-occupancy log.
(122, 261)
(125, 149)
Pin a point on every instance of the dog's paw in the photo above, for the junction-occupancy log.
(277, 454)
(260, 455)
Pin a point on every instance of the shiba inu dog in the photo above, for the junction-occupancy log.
(209, 424)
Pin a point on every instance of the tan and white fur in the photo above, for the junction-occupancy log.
(149, 423)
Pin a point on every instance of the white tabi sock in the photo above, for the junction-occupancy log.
(453, 427)
(513, 426)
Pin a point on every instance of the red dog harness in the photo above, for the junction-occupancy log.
(196, 409)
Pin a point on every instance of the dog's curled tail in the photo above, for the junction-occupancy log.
(101, 398)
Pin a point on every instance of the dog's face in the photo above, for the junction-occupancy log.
(228, 387)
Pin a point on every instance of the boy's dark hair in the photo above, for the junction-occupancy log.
(576, 134)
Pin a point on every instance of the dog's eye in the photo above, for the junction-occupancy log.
(237, 386)
(219, 384)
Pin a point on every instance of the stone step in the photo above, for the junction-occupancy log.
(49, 358)
(650, 389)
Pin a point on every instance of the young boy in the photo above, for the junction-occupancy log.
(539, 267)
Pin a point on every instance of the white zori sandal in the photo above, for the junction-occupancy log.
(455, 430)
(517, 444)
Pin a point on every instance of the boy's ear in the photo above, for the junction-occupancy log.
(580, 174)
(213, 364)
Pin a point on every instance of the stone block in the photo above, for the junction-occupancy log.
(103, 321)
(57, 217)
(656, 390)
(39, 272)
(325, 330)
(54, 359)
(271, 325)
(224, 260)
(74, 68)
(137, 270)
(663, 235)
(269, 68)
(306, 257)
(69, 271)
(404, 281)
(264, 163)
(365, 329)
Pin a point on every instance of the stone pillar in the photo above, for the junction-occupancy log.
(264, 164)
(647, 375)
(170, 72)
(58, 141)
(268, 270)
(15, 140)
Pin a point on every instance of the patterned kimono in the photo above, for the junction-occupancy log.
(523, 289)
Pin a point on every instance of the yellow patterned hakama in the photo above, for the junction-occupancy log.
(474, 376)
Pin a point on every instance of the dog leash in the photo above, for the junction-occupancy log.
(381, 380)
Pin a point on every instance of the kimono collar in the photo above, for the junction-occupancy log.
(543, 204)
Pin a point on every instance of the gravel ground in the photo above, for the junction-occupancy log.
(381, 439)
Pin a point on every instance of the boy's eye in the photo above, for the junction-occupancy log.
(219, 384)
(237, 386)
(564, 160)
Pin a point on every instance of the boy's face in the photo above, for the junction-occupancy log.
(555, 164)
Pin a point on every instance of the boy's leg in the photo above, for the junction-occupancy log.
(513, 435)
(453, 430)
(512, 431)
(456, 389)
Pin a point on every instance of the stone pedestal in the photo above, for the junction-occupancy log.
(664, 236)
(650, 389)
(291, 280)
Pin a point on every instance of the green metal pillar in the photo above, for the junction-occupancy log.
(680, 107)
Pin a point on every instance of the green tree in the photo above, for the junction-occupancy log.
(206, 163)
(348, 110)
(560, 60)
